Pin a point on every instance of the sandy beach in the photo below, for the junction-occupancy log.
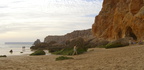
(124, 58)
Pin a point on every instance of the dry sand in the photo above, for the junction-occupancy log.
(125, 58)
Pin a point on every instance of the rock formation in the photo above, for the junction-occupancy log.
(37, 42)
(81, 38)
(119, 19)
(69, 36)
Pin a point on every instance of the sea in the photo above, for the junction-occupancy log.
(16, 48)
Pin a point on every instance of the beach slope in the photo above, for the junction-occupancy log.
(125, 58)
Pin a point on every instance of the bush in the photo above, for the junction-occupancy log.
(3, 56)
(66, 51)
(117, 43)
(114, 45)
(63, 58)
(38, 52)
(102, 46)
(69, 51)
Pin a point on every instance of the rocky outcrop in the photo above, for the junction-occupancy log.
(37, 42)
(81, 38)
(75, 34)
(119, 19)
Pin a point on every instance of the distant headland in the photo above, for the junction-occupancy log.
(18, 42)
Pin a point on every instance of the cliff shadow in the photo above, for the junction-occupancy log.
(119, 34)
(129, 33)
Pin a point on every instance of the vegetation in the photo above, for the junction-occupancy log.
(69, 51)
(66, 51)
(102, 46)
(63, 58)
(114, 45)
(117, 43)
(111, 45)
(3, 56)
(38, 52)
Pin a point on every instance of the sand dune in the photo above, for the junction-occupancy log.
(125, 58)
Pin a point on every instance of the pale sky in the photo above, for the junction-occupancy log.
(28, 20)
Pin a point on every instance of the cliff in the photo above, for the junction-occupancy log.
(75, 34)
(119, 19)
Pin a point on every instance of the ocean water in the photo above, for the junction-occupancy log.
(17, 49)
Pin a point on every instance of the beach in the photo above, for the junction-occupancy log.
(124, 58)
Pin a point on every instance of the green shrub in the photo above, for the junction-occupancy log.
(114, 45)
(66, 51)
(102, 46)
(69, 51)
(63, 58)
(117, 43)
(38, 52)
(81, 50)
(3, 56)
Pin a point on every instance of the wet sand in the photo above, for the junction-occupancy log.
(124, 58)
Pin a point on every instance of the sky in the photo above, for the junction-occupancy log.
(28, 20)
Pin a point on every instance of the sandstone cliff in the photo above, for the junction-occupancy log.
(75, 34)
(120, 18)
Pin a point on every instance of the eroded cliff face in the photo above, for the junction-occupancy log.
(120, 18)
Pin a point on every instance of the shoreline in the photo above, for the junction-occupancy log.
(16, 48)
(123, 58)
(27, 54)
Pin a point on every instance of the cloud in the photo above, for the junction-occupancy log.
(18, 1)
(3, 6)
(46, 16)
